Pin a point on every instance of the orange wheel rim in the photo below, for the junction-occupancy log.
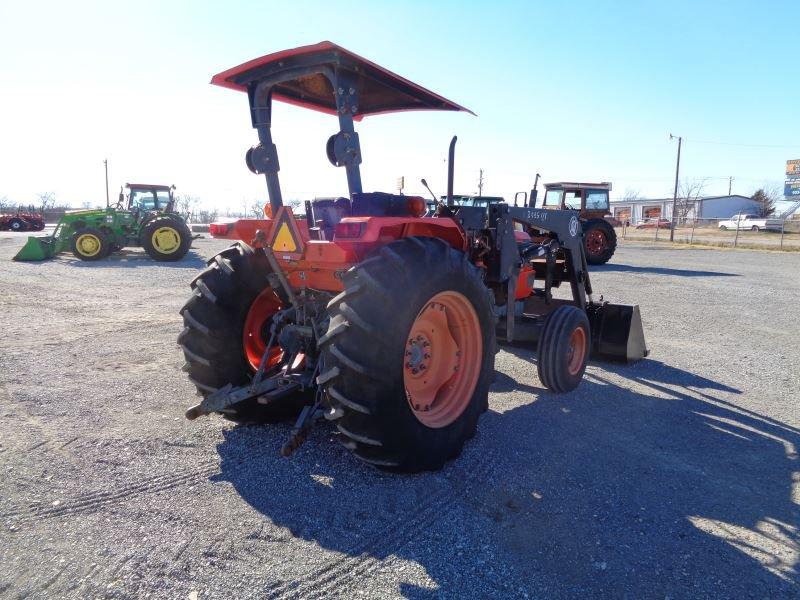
(577, 350)
(595, 241)
(442, 359)
(256, 330)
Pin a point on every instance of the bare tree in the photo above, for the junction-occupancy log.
(186, 204)
(47, 200)
(257, 209)
(207, 216)
(766, 199)
(689, 192)
(631, 195)
(4, 203)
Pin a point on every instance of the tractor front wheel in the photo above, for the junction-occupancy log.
(226, 328)
(16, 225)
(409, 355)
(90, 244)
(600, 239)
(563, 349)
(166, 238)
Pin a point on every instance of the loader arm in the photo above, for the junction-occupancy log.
(564, 227)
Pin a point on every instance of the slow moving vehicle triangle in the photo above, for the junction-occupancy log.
(284, 241)
(285, 238)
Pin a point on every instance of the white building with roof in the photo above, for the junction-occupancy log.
(708, 207)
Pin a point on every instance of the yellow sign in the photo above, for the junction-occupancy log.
(284, 242)
(793, 168)
(285, 239)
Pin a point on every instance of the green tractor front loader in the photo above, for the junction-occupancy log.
(144, 217)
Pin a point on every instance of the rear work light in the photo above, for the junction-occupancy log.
(219, 228)
(349, 230)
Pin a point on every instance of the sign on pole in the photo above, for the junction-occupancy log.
(793, 168)
(401, 183)
(791, 187)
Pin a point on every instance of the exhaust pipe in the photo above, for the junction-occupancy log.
(451, 158)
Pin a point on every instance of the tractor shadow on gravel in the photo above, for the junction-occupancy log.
(133, 258)
(623, 268)
(655, 487)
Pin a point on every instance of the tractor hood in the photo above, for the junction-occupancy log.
(299, 77)
(85, 211)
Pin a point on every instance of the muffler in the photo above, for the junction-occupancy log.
(617, 332)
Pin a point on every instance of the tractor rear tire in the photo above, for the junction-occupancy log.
(214, 319)
(600, 240)
(90, 244)
(563, 349)
(371, 349)
(166, 238)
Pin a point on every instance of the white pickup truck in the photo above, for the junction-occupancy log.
(750, 222)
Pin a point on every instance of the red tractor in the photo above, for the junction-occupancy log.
(590, 201)
(369, 313)
(22, 220)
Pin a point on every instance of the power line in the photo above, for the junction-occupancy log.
(718, 143)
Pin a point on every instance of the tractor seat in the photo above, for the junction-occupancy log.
(326, 214)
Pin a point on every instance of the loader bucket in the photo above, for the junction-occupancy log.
(617, 332)
(37, 248)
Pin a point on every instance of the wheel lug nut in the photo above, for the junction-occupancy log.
(427, 356)
(408, 365)
(422, 367)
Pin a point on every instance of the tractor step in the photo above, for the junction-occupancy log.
(525, 329)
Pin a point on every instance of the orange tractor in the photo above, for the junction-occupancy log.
(369, 313)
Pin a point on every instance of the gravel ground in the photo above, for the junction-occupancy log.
(675, 477)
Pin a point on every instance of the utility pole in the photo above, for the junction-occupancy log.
(105, 164)
(480, 183)
(730, 185)
(675, 195)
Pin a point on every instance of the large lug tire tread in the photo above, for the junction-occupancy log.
(363, 353)
(178, 224)
(212, 336)
(105, 246)
(611, 237)
(552, 349)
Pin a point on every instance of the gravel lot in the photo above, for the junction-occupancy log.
(676, 477)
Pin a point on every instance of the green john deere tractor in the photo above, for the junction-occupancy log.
(145, 217)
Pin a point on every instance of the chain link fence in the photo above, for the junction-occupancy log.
(768, 234)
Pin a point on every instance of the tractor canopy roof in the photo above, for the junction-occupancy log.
(302, 76)
(148, 186)
(603, 185)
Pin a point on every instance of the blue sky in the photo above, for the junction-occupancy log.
(578, 91)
